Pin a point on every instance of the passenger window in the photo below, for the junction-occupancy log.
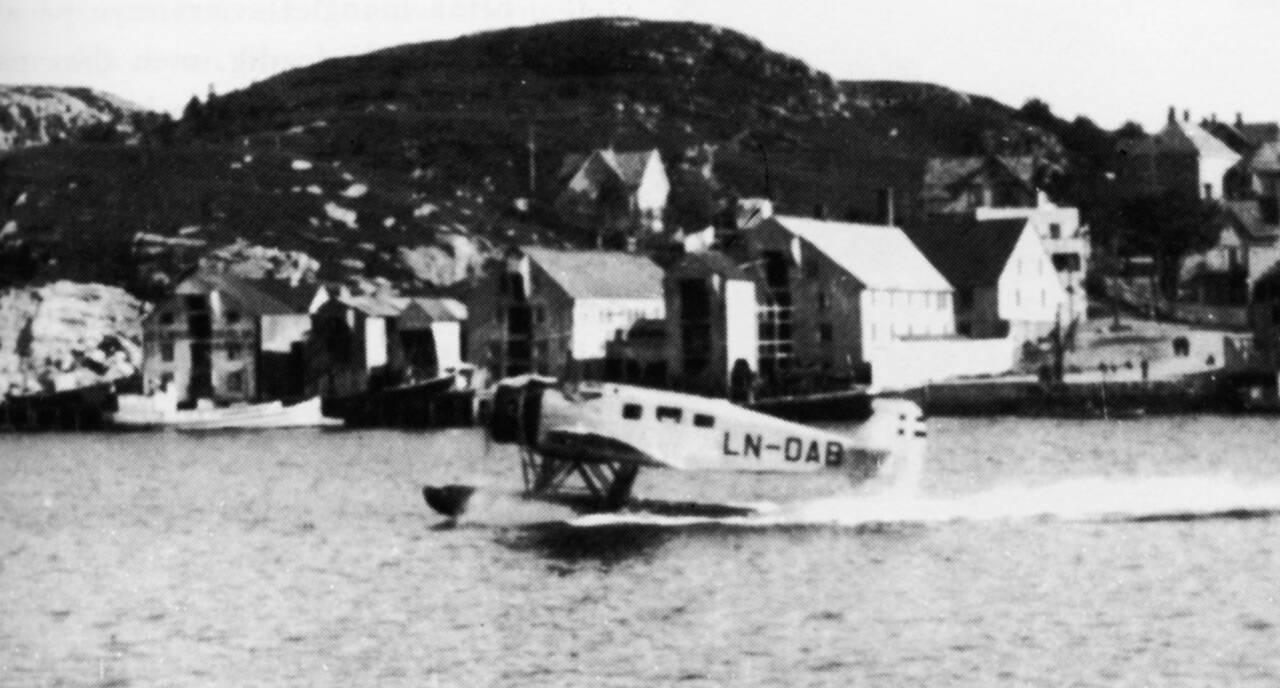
(631, 411)
(669, 413)
(702, 420)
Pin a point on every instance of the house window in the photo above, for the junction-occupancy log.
(670, 413)
(539, 314)
(166, 318)
(234, 351)
(632, 411)
(233, 317)
(822, 301)
(166, 351)
(824, 332)
(943, 302)
(702, 420)
(235, 381)
(1055, 230)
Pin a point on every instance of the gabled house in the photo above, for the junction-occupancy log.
(553, 312)
(227, 338)
(1264, 178)
(369, 342)
(1006, 284)
(964, 184)
(1065, 240)
(614, 194)
(1248, 246)
(1184, 158)
(833, 290)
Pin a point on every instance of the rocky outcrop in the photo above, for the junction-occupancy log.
(37, 115)
(67, 335)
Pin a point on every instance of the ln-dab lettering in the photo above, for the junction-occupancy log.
(793, 449)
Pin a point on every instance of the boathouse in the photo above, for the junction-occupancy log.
(228, 338)
(554, 312)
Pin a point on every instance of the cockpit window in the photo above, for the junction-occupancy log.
(670, 413)
(632, 411)
(702, 420)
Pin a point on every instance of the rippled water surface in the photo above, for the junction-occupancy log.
(1039, 552)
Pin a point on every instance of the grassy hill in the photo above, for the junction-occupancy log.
(376, 164)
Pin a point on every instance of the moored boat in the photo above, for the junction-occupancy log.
(161, 411)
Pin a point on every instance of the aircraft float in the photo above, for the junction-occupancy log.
(583, 445)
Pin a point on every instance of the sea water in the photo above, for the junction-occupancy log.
(1033, 552)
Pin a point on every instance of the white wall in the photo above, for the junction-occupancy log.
(911, 363)
(893, 314)
(375, 342)
(741, 325)
(597, 321)
(1031, 295)
(281, 332)
(654, 186)
(448, 340)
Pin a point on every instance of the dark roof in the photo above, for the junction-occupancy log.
(625, 167)
(712, 262)
(253, 296)
(599, 274)
(1267, 159)
(968, 252)
(1171, 139)
(1245, 137)
(1247, 215)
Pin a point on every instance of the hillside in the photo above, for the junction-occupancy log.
(465, 110)
(404, 163)
(38, 115)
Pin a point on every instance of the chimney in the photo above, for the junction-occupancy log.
(1239, 119)
(1173, 114)
(1186, 115)
(886, 203)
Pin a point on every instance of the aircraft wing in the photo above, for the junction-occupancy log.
(573, 444)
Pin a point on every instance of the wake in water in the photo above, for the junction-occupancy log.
(1102, 499)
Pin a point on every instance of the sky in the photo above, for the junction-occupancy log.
(1110, 60)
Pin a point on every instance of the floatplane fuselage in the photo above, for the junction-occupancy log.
(584, 445)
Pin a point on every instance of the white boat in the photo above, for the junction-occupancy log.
(161, 410)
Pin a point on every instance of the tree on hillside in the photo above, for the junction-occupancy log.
(1167, 227)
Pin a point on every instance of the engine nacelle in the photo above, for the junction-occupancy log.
(516, 407)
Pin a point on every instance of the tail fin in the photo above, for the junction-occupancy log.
(897, 431)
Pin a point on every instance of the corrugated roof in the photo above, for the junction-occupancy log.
(599, 274)
(440, 309)
(968, 252)
(713, 262)
(376, 305)
(879, 256)
(253, 296)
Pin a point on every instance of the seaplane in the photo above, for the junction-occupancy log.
(584, 444)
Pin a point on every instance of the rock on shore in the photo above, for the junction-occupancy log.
(66, 335)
